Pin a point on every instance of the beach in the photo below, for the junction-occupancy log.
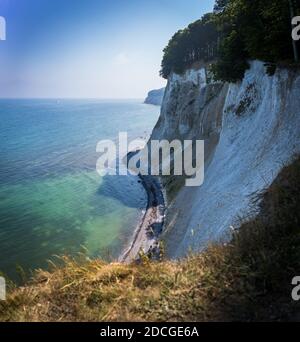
(146, 236)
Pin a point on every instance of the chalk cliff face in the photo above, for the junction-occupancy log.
(251, 130)
(155, 97)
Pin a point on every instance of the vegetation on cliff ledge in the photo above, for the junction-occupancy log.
(247, 279)
(237, 31)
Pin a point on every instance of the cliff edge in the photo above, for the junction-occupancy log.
(251, 129)
(155, 97)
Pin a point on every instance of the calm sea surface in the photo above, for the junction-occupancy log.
(52, 201)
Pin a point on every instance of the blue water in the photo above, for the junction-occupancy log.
(52, 201)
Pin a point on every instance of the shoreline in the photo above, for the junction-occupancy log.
(150, 228)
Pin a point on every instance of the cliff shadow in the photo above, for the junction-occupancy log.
(127, 190)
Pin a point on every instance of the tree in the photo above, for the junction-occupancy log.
(256, 29)
(197, 42)
(220, 5)
(237, 31)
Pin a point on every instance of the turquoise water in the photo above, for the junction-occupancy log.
(52, 201)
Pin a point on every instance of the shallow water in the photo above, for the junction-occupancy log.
(52, 201)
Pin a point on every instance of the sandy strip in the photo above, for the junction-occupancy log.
(147, 233)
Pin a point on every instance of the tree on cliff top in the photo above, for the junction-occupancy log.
(196, 42)
(237, 31)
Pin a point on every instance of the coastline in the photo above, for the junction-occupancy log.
(150, 228)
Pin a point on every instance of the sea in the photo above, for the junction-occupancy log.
(52, 200)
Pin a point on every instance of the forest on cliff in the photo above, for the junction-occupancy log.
(236, 32)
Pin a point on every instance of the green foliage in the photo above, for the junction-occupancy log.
(256, 29)
(232, 61)
(197, 42)
(237, 31)
(220, 5)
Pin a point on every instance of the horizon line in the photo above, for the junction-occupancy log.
(71, 98)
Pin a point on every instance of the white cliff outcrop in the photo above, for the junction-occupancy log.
(155, 97)
(251, 130)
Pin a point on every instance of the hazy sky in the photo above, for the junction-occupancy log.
(88, 48)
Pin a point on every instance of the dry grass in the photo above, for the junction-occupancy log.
(246, 280)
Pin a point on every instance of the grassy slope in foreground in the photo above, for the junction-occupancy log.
(248, 279)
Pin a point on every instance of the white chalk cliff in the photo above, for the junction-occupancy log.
(251, 129)
(155, 97)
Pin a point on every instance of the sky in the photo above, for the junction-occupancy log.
(88, 48)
